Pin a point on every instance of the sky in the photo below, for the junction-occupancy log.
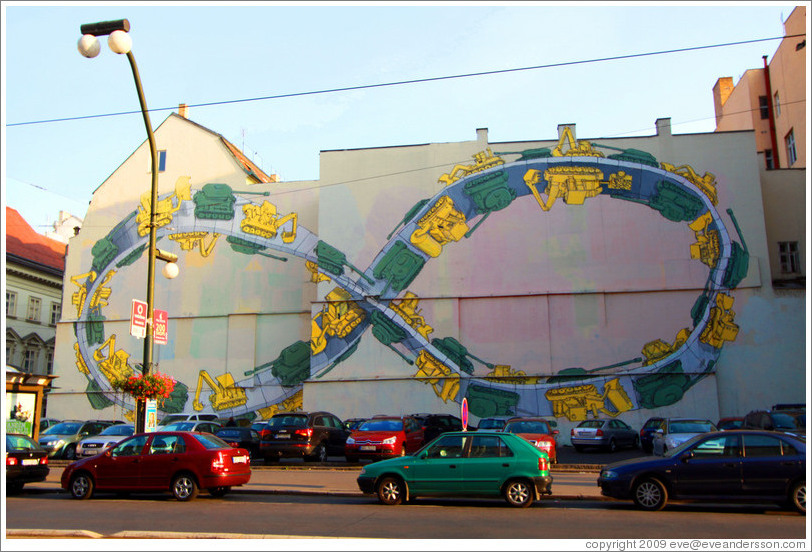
(68, 122)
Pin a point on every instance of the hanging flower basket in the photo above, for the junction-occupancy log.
(147, 386)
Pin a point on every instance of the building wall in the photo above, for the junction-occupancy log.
(741, 109)
(781, 189)
(410, 277)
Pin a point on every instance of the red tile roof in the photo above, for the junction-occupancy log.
(23, 241)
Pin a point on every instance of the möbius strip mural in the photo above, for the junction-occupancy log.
(377, 301)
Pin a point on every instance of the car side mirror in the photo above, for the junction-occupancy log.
(108, 452)
(660, 431)
(687, 456)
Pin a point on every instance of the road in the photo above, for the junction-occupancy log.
(288, 516)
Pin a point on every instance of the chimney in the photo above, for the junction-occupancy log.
(721, 92)
(183, 110)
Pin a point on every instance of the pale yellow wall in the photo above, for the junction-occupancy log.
(781, 190)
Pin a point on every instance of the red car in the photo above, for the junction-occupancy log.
(537, 431)
(181, 462)
(384, 437)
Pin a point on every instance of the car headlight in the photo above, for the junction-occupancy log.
(390, 441)
(363, 471)
(350, 441)
(609, 474)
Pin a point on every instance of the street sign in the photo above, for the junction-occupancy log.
(464, 413)
(138, 319)
(160, 327)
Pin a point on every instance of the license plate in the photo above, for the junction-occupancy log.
(30, 462)
(239, 459)
(283, 435)
(367, 447)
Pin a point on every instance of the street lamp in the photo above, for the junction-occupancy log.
(121, 43)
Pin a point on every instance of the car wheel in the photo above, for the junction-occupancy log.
(320, 454)
(184, 487)
(81, 486)
(612, 445)
(218, 492)
(650, 494)
(519, 493)
(391, 491)
(70, 452)
(797, 496)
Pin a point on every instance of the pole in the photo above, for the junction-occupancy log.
(146, 368)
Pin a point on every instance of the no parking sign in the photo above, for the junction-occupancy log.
(464, 413)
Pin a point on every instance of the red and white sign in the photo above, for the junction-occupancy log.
(138, 319)
(464, 413)
(160, 326)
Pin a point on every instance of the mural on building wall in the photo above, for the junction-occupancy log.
(377, 301)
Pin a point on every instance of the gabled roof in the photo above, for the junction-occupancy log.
(23, 242)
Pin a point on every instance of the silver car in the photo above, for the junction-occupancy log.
(675, 431)
(107, 438)
(609, 434)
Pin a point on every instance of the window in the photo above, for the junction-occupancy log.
(49, 362)
(161, 161)
(792, 156)
(724, 445)
(789, 257)
(764, 107)
(30, 360)
(11, 303)
(488, 446)
(130, 447)
(56, 312)
(776, 105)
(761, 445)
(768, 159)
(33, 309)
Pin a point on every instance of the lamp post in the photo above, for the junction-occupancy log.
(120, 42)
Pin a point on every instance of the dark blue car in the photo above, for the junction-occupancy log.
(647, 433)
(735, 465)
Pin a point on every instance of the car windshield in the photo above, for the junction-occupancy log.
(288, 421)
(381, 425)
(784, 421)
(591, 423)
(527, 427)
(20, 442)
(65, 428)
(491, 424)
(651, 424)
(180, 426)
(211, 442)
(119, 429)
(690, 426)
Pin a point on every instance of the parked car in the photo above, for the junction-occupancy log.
(309, 435)
(485, 463)
(241, 437)
(537, 431)
(610, 434)
(353, 423)
(553, 422)
(492, 423)
(45, 423)
(675, 431)
(261, 428)
(731, 422)
(193, 425)
(733, 465)
(647, 433)
(61, 439)
(26, 462)
(107, 438)
(172, 418)
(179, 462)
(783, 420)
(384, 437)
(437, 424)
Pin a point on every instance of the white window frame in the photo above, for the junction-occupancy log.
(56, 313)
(789, 257)
(30, 359)
(777, 104)
(792, 154)
(11, 303)
(34, 309)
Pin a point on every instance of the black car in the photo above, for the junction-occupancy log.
(241, 437)
(647, 433)
(735, 465)
(26, 462)
(436, 424)
(312, 436)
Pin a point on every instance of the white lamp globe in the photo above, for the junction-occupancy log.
(170, 270)
(120, 42)
(89, 46)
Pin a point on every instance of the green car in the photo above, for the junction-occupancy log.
(466, 464)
